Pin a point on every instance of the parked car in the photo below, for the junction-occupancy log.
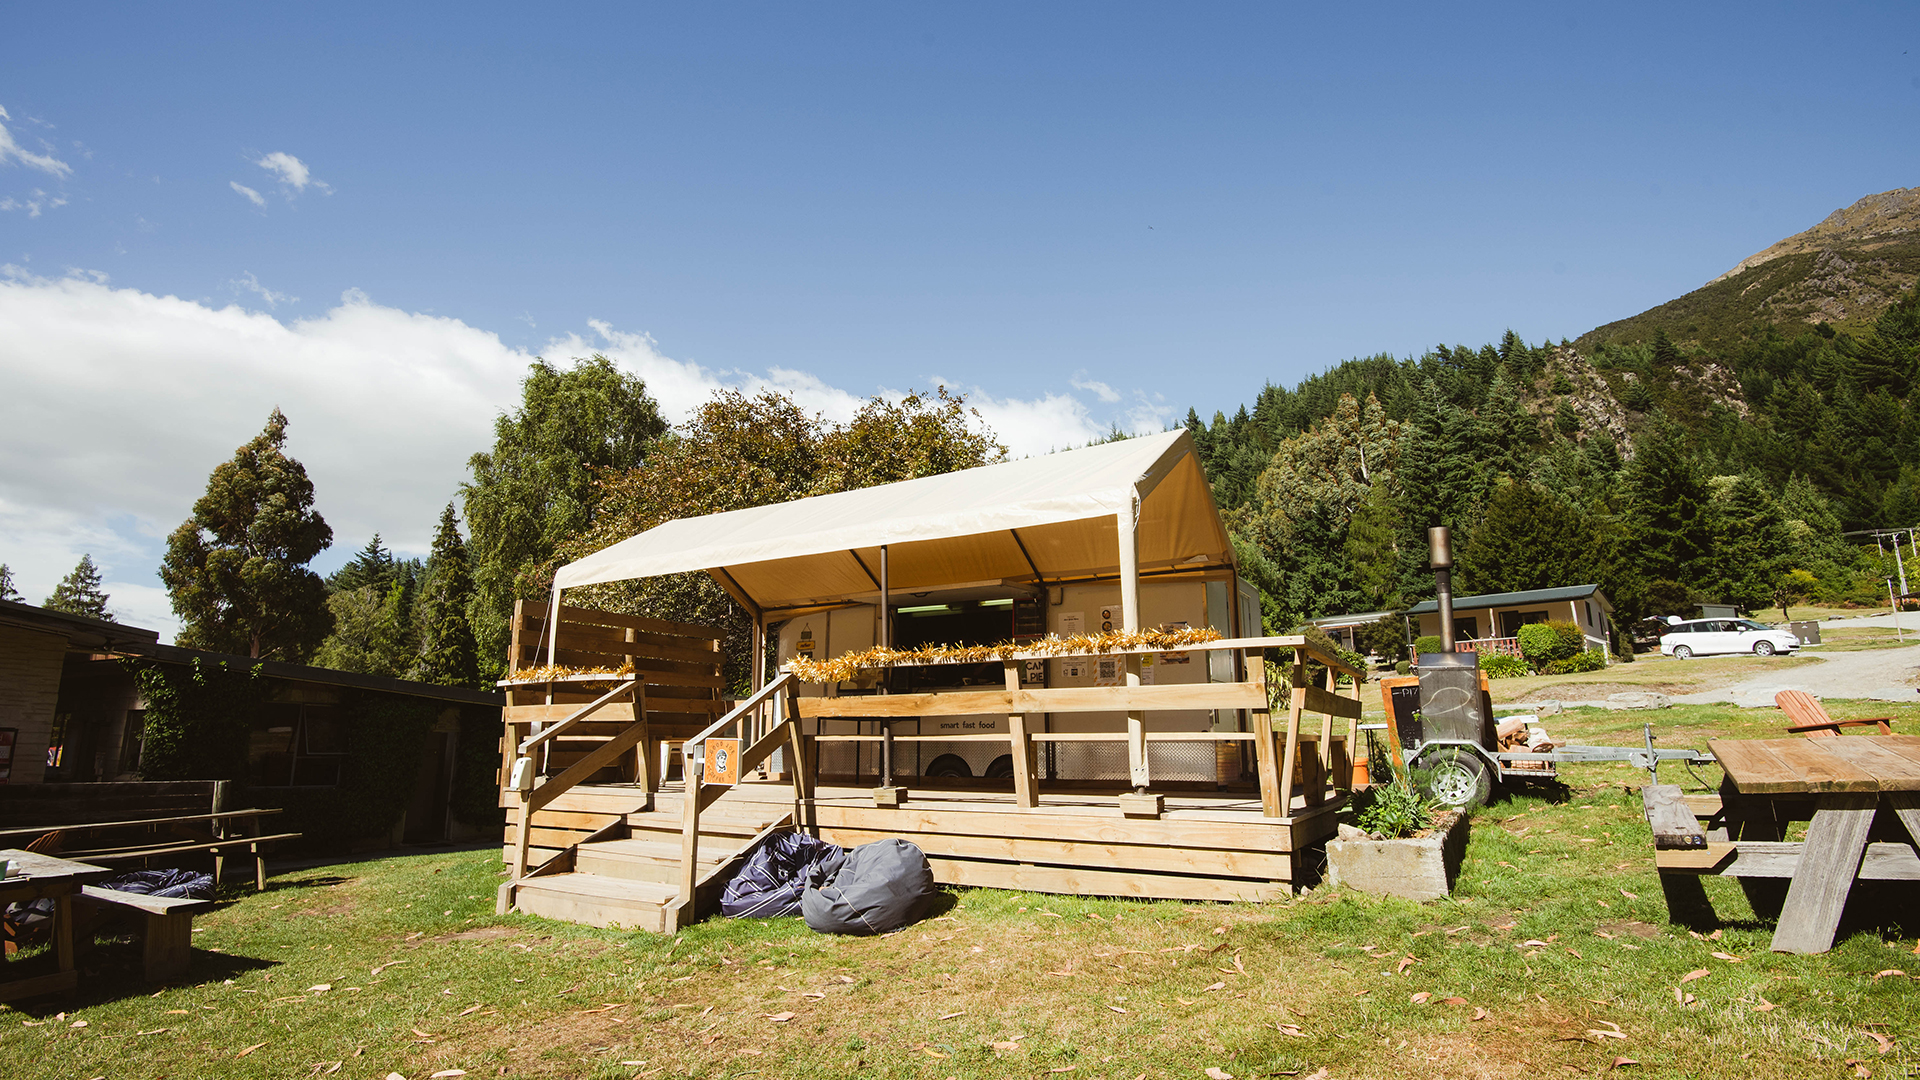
(1703, 637)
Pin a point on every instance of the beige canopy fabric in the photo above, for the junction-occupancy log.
(1044, 518)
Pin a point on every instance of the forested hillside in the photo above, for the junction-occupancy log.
(1668, 473)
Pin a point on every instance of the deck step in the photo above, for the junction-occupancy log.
(595, 900)
(646, 859)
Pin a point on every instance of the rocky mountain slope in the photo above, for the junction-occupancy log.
(1843, 272)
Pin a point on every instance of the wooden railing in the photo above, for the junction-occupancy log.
(1504, 646)
(759, 739)
(1275, 764)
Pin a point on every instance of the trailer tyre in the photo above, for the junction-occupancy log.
(1457, 779)
(949, 766)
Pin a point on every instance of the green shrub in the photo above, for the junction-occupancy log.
(1426, 643)
(1404, 667)
(198, 718)
(1326, 646)
(1590, 660)
(1544, 643)
(1503, 666)
(1386, 636)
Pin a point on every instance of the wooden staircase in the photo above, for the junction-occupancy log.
(628, 874)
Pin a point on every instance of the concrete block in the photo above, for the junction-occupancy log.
(1415, 869)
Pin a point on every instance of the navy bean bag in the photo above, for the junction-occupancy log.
(768, 886)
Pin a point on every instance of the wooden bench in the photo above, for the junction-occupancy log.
(1810, 717)
(166, 930)
(212, 835)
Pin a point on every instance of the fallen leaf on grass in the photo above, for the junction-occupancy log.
(1062, 974)
(1480, 1013)
(1613, 1033)
(1290, 1031)
(1621, 1062)
(1533, 943)
(249, 1049)
(1064, 1068)
(78, 1024)
(1728, 957)
(469, 1010)
(1219, 929)
(1006, 1046)
(1116, 1008)
(1628, 895)
(390, 963)
(1696, 973)
(1765, 1006)
(781, 1017)
(1405, 963)
(1183, 1001)
(951, 1015)
(425, 1035)
(445, 1074)
(1215, 986)
(1682, 998)
(1878, 975)
(320, 988)
(1420, 998)
(1455, 1001)
(157, 1031)
(1859, 1068)
(1216, 1073)
(932, 1053)
(1886, 1044)
(1575, 953)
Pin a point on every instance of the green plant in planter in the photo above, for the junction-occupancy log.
(1396, 808)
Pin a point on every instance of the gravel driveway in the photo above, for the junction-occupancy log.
(1877, 674)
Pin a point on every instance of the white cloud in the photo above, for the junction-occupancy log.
(1098, 389)
(252, 195)
(251, 284)
(291, 172)
(120, 403)
(13, 151)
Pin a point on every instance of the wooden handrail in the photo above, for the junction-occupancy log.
(532, 741)
(758, 696)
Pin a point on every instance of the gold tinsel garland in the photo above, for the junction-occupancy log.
(844, 667)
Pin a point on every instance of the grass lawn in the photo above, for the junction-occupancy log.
(1856, 638)
(1554, 957)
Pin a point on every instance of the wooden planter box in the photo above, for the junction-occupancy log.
(1416, 868)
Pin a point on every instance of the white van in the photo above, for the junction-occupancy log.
(1704, 637)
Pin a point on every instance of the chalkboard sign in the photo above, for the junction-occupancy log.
(1401, 696)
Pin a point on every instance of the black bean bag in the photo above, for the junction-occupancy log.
(769, 884)
(882, 886)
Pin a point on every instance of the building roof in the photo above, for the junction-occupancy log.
(1048, 518)
(79, 630)
(1511, 599)
(1335, 622)
(275, 669)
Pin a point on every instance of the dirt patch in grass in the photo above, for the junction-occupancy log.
(1634, 928)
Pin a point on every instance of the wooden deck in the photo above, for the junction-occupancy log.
(611, 837)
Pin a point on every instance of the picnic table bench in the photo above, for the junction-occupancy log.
(216, 836)
(1841, 786)
(166, 925)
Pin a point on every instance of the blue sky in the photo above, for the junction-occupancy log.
(1084, 215)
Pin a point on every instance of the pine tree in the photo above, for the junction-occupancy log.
(1750, 543)
(447, 654)
(373, 565)
(236, 570)
(7, 591)
(79, 592)
(1528, 539)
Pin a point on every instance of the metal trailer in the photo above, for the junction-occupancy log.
(1456, 748)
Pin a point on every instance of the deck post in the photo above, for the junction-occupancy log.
(523, 836)
(1026, 791)
(1290, 748)
(1261, 722)
(694, 771)
(1127, 525)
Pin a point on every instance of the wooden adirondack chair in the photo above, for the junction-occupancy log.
(1810, 717)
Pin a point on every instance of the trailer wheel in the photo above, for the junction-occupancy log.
(1457, 779)
(1000, 768)
(949, 766)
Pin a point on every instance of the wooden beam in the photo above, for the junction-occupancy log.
(1026, 786)
(1329, 703)
(602, 756)
(1071, 699)
(1836, 840)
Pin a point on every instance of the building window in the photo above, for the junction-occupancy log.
(133, 735)
(1588, 604)
(297, 746)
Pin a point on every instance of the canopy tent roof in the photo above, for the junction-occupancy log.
(1044, 519)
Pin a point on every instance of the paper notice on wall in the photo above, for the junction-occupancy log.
(1073, 622)
(1035, 671)
(1106, 671)
(1147, 665)
(1074, 667)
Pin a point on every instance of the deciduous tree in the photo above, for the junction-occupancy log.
(535, 489)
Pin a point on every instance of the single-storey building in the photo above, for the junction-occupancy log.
(71, 714)
(1345, 629)
(1492, 622)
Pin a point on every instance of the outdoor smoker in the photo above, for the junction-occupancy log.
(1456, 743)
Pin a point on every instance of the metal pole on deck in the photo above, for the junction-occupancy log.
(1440, 544)
(886, 642)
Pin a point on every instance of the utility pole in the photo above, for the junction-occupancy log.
(1895, 613)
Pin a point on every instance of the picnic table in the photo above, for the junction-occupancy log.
(1840, 786)
(37, 877)
(217, 832)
